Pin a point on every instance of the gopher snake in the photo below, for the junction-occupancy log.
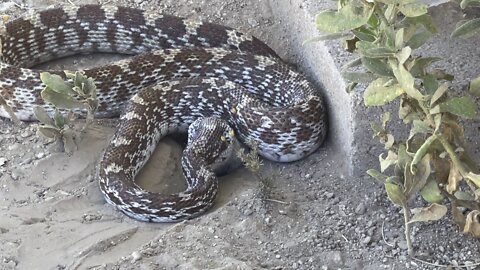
(182, 70)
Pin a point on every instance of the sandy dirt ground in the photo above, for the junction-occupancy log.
(53, 216)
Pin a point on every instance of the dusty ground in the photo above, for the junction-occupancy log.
(54, 217)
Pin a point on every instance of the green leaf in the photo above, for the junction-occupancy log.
(399, 38)
(378, 94)
(395, 193)
(403, 157)
(377, 66)
(431, 192)
(403, 55)
(431, 213)
(439, 93)
(377, 175)
(425, 20)
(353, 63)
(421, 152)
(59, 119)
(420, 64)
(326, 37)
(42, 115)
(420, 127)
(49, 132)
(349, 88)
(466, 3)
(388, 161)
(364, 45)
(385, 119)
(56, 83)
(60, 100)
(418, 39)
(474, 87)
(440, 74)
(406, 80)
(461, 106)
(380, 52)
(467, 29)
(475, 178)
(346, 18)
(364, 34)
(413, 9)
(419, 179)
(359, 77)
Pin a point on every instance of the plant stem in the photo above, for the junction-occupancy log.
(406, 215)
(453, 156)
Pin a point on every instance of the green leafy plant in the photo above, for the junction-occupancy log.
(78, 92)
(432, 161)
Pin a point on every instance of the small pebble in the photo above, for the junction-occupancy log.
(136, 256)
(367, 240)
(360, 209)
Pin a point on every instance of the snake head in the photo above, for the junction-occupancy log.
(213, 140)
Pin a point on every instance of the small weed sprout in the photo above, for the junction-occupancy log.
(78, 92)
(252, 162)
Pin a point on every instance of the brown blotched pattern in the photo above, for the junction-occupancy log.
(184, 73)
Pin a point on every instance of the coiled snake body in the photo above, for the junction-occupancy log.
(183, 72)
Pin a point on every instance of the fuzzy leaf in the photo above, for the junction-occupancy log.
(395, 193)
(42, 115)
(403, 55)
(399, 38)
(431, 192)
(377, 66)
(461, 106)
(419, 179)
(474, 87)
(377, 175)
(439, 93)
(421, 152)
(406, 80)
(467, 29)
(60, 100)
(379, 52)
(418, 39)
(431, 213)
(59, 119)
(472, 224)
(377, 94)
(388, 161)
(466, 3)
(346, 18)
(420, 64)
(49, 132)
(475, 178)
(327, 37)
(413, 9)
(56, 83)
(421, 127)
(364, 34)
(425, 20)
(359, 77)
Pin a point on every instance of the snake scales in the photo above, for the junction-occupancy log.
(182, 72)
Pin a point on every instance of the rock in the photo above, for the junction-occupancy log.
(366, 240)
(360, 209)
